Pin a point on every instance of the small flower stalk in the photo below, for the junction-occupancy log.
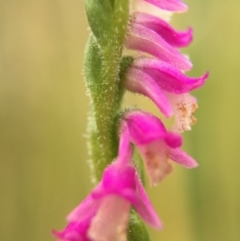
(117, 208)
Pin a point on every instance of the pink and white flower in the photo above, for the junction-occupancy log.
(155, 144)
(104, 214)
(167, 87)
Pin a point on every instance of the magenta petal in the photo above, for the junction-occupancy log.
(170, 5)
(144, 127)
(75, 231)
(148, 41)
(145, 208)
(111, 180)
(173, 139)
(87, 208)
(164, 29)
(182, 158)
(139, 82)
(168, 77)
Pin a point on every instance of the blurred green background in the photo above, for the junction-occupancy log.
(43, 114)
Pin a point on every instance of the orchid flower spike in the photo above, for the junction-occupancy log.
(158, 72)
(104, 214)
(155, 144)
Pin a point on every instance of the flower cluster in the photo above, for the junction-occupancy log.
(158, 73)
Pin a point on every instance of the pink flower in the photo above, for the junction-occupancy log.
(167, 87)
(155, 144)
(104, 214)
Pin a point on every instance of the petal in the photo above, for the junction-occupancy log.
(111, 180)
(168, 77)
(118, 180)
(164, 29)
(85, 210)
(127, 193)
(111, 220)
(75, 231)
(124, 149)
(139, 82)
(170, 5)
(179, 156)
(155, 156)
(145, 208)
(144, 127)
(173, 139)
(146, 40)
(145, 7)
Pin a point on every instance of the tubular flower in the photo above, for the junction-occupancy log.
(167, 87)
(155, 144)
(108, 205)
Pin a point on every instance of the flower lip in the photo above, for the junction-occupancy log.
(173, 140)
(164, 29)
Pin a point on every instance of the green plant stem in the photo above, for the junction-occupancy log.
(102, 66)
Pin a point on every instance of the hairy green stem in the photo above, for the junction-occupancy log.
(102, 65)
